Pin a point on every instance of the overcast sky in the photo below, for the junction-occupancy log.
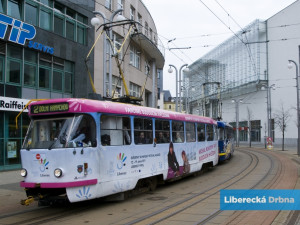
(194, 25)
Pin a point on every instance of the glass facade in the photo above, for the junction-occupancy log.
(27, 73)
(49, 15)
(236, 63)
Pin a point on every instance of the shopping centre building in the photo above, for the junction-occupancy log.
(246, 79)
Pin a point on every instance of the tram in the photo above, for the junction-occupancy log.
(225, 142)
(81, 149)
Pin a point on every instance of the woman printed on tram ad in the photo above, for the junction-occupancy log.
(173, 163)
(186, 164)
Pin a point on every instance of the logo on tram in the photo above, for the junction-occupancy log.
(121, 161)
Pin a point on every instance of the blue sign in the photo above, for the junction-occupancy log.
(260, 199)
(20, 32)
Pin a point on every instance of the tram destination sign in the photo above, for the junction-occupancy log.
(50, 108)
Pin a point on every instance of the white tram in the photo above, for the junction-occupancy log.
(83, 149)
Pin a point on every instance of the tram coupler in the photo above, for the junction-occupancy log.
(27, 201)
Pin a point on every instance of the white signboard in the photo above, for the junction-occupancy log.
(13, 104)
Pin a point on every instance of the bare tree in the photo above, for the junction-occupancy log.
(281, 119)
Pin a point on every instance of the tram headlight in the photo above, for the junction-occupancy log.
(57, 172)
(23, 172)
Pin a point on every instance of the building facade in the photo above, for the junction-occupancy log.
(246, 81)
(43, 44)
(140, 55)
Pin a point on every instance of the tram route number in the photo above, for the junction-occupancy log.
(50, 108)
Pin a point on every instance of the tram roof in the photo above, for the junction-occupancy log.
(76, 105)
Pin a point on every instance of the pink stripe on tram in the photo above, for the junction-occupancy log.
(59, 185)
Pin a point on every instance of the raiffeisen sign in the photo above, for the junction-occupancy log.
(20, 32)
(13, 104)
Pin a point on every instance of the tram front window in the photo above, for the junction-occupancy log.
(66, 132)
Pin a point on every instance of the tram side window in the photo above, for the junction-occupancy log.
(162, 131)
(85, 132)
(210, 132)
(177, 131)
(221, 133)
(228, 132)
(216, 135)
(115, 130)
(201, 131)
(143, 131)
(190, 132)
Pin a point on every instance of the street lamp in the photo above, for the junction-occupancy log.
(185, 70)
(96, 22)
(269, 106)
(170, 70)
(237, 102)
(290, 66)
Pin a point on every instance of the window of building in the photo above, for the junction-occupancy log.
(1, 68)
(14, 8)
(31, 13)
(30, 72)
(177, 131)
(71, 13)
(108, 4)
(151, 33)
(58, 25)
(57, 80)
(146, 29)
(121, 5)
(140, 20)
(2, 6)
(45, 19)
(132, 13)
(44, 77)
(70, 30)
(135, 57)
(81, 34)
(69, 70)
(14, 60)
(13, 71)
(143, 131)
(47, 2)
(59, 8)
(135, 90)
(116, 86)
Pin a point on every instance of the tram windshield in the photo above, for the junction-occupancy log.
(63, 132)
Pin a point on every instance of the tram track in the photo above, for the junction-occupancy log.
(203, 204)
(279, 181)
(238, 213)
(186, 203)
